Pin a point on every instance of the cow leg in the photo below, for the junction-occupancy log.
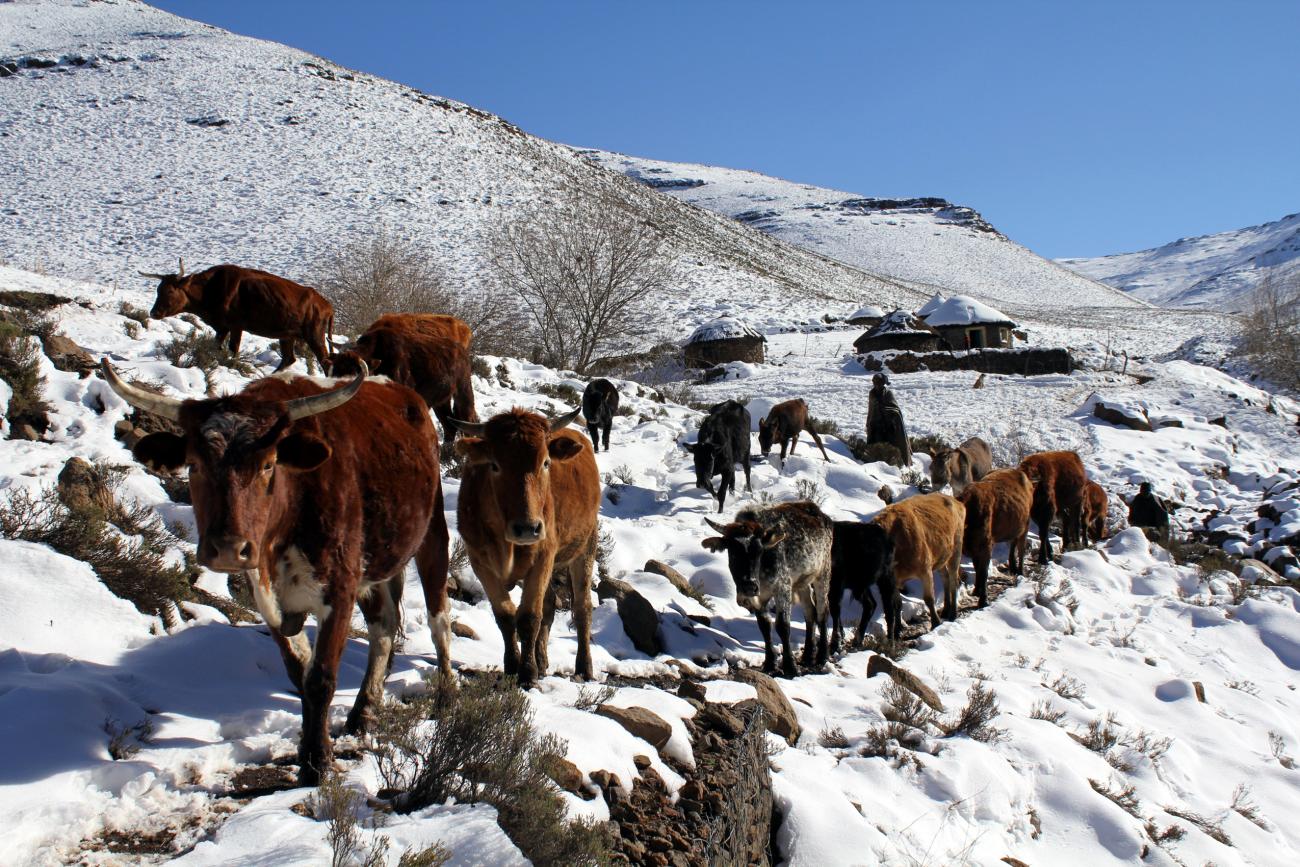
(287, 355)
(593, 431)
(868, 611)
(222, 338)
(541, 651)
(728, 483)
(794, 441)
(1044, 525)
(315, 752)
(783, 630)
(528, 620)
(833, 602)
(927, 591)
(236, 336)
(748, 486)
(769, 655)
(981, 563)
(951, 585)
(818, 440)
(380, 607)
(580, 583)
(810, 617)
(503, 609)
(431, 562)
(442, 411)
(319, 347)
(608, 425)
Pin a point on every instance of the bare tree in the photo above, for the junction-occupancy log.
(382, 274)
(1271, 329)
(584, 271)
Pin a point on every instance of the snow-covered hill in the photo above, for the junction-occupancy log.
(1099, 745)
(133, 137)
(927, 242)
(1212, 272)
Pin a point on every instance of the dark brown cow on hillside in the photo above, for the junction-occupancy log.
(927, 533)
(783, 424)
(1096, 509)
(320, 497)
(430, 325)
(1058, 479)
(415, 350)
(527, 509)
(997, 510)
(232, 300)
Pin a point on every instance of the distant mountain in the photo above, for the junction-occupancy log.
(1213, 271)
(929, 243)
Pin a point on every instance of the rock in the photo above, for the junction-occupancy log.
(702, 619)
(640, 620)
(1255, 570)
(904, 678)
(778, 713)
(66, 355)
(692, 689)
(675, 578)
(1122, 416)
(640, 722)
(24, 432)
(605, 780)
(565, 774)
(1200, 691)
(641, 762)
(1221, 421)
(886, 494)
(463, 630)
(720, 718)
(84, 489)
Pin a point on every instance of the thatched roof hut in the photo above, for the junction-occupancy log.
(866, 316)
(923, 312)
(899, 330)
(721, 340)
(965, 323)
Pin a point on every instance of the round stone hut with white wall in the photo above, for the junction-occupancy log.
(721, 340)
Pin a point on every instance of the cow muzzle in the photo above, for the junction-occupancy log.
(525, 532)
(228, 554)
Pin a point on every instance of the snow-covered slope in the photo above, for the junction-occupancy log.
(1114, 637)
(133, 137)
(925, 241)
(1216, 272)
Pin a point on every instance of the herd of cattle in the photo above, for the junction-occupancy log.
(320, 495)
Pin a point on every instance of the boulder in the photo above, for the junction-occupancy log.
(692, 689)
(675, 578)
(640, 620)
(66, 355)
(648, 726)
(1129, 417)
(720, 718)
(463, 630)
(565, 774)
(883, 664)
(778, 713)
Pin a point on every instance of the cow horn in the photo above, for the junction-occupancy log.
(158, 404)
(181, 272)
(564, 420)
(468, 428)
(153, 276)
(302, 407)
(721, 528)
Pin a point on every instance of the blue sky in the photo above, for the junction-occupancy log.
(1078, 129)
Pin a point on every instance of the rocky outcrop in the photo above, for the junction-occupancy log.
(640, 620)
(779, 715)
(641, 723)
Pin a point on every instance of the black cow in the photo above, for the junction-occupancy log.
(723, 443)
(1146, 510)
(862, 556)
(599, 404)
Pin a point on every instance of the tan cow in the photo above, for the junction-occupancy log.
(927, 534)
(997, 510)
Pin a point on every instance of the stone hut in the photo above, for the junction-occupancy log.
(899, 330)
(923, 312)
(965, 323)
(866, 316)
(721, 340)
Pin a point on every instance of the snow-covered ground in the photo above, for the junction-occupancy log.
(926, 243)
(1143, 632)
(1216, 272)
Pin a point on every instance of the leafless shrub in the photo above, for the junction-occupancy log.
(881, 739)
(20, 367)
(1245, 807)
(913, 477)
(483, 747)
(824, 426)
(833, 738)
(604, 553)
(682, 393)
(563, 392)
(894, 648)
(199, 349)
(593, 696)
(1011, 449)
(137, 315)
(1270, 334)
(1102, 737)
(1211, 828)
(584, 270)
(930, 443)
(1067, 687)
(503, 375)
(1243, 686)
(623, 473)
(479, 367)
(1124, 797)
(810, 490)
(1168, 834)
(975, 719)
(341, 808)
(901, 706)
(1044, 710)
(1277, 746)
(125, 741)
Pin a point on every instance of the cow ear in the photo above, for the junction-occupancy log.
(714, 543)
(563, 448)
(474, 450)
(162, 451)
(302, 452)
(772, 538)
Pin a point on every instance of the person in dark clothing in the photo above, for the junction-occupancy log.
(1146, 510)
(885, 419)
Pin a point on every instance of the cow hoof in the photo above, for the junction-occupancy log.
(358, 723)
(789, 672)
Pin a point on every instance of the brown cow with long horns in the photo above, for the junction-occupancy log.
(319, 496)
(527, 510)
(233, 300)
